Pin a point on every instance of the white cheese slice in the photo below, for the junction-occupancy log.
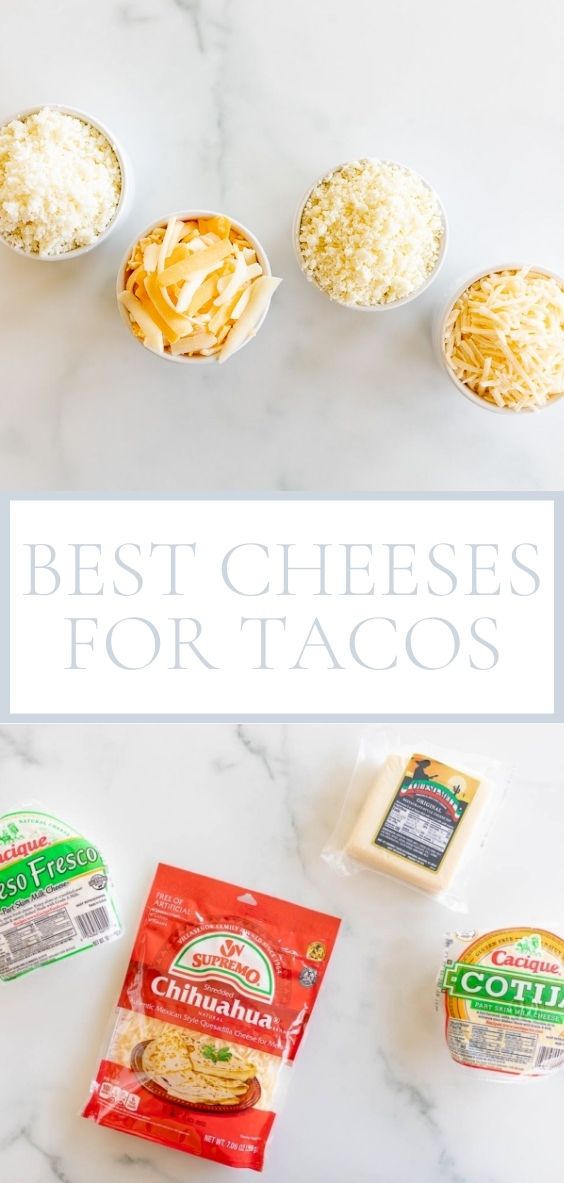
(151, 257)
(152, 336)
(261, 292)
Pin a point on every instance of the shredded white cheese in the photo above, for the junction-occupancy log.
(60, 182)
(504, 338)
(370, 233)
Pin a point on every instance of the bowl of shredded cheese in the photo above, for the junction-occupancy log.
(195, 287)
(370, 234)
(65, 182)
(501, 338)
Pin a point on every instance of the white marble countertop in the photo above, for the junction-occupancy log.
(240, 105)
(374, 1096)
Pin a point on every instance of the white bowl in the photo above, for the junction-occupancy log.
(439, 330)
(370, 307)
(126, 194)
(189, 216)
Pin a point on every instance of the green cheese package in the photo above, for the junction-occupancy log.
(56, 896)
(417, 813)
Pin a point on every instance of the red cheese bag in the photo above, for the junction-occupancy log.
(220, 986)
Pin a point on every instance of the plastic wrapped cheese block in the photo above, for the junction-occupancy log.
(415, 815)
(417, 820)
(502, 997)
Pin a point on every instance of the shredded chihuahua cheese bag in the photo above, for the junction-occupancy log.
(220, 986)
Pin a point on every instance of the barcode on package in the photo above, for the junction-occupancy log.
(92, 924)
(547, 1055)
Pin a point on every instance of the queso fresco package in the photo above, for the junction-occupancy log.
(218, 992)
(56, 895)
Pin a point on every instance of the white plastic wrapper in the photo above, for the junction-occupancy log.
(56, 894)
(500, 997)
(417, 812)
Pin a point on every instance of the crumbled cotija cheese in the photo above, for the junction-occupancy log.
(60, 182)
(504, 338)
(370, 233)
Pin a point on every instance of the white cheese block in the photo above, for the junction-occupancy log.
(416, 828)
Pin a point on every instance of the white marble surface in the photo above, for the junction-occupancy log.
(241, 105)
(374, 1095)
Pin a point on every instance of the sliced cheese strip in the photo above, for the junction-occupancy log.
(189, 230)
(136, 277)
(220, 316)
(193, 344)
(241, 304)
(237, 281)
(181, 251)
(193, 283)
(169, 242)
(161, 324)
(187, 289)
(186, 267)
(152, 337)
(262, 290)
(203, 295)
(151, 257)
(362, 847)
(179, 325)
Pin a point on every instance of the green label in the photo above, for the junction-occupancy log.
(504, 991)
(48, 868)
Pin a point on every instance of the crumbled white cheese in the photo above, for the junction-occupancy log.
(504, 338)
(370, 233)
(60, 182)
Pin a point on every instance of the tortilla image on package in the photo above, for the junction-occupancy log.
(180, 1066)
(219, 989)
(56, 896)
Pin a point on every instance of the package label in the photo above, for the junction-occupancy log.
(55, 894)
(427, 809)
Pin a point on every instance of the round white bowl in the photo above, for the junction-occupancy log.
(189, 216)
(125, 197)
(369, 307)
(439, 329)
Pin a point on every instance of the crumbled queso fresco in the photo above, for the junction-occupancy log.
(370, 233)
(60, 183)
